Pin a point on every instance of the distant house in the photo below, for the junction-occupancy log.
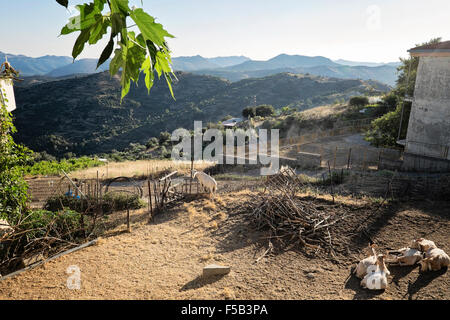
(428, 138)
(232, 122)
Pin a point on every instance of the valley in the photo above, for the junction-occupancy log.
(83, 115)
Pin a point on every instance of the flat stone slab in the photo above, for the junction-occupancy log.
(215, 270)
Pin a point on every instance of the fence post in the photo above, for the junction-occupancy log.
(364, 159)
(349, 158)
(379, 159)
(331, 180)
(334, 160)
(150, 198)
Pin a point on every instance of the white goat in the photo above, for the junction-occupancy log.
(363, 265)
(206, 181)
(435, 259)
(376, 277)
(423, 244)
(407, 257)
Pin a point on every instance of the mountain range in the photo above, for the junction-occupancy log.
(321, 66)
(52, 66)
(233, 68)
(84, 115)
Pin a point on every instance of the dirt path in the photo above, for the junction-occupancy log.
(164, 260)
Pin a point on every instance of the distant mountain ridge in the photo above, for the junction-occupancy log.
(35, 66)
(82, 66)
(232, 68)
(366, 64)
(320, 66)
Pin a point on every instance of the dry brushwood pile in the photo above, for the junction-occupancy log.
(291, 220)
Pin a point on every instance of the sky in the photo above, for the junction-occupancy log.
(357, 30)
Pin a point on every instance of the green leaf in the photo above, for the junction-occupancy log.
(64, 3)
(79, 43)
(133, 56)
(118, 23)
(150, 30)
(99, 29)
(117, 62)
(120, 6)
(89, 15)
(106, 53)
(149, 73)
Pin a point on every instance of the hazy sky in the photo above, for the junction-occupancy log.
(361, 30)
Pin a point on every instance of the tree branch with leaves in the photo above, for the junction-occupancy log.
(146, 52)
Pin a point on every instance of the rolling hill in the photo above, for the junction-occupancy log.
(35, 66)
(82, 66)
(84, 115)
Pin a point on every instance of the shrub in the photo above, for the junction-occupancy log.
(111, 202)
(249, 112)
(54, 167)
(359, 101)
(264, 110)
(124, 200)
(164, 137)
(13, 188)
(384, 130)
(151, 143)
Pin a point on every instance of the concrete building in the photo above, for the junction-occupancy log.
(428, 136)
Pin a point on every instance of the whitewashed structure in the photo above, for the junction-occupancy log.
(428, 137)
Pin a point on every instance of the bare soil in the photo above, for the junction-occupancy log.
(164, 259)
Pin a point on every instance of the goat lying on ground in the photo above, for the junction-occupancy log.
(423, 244)
(376, 277)
(407, 257)
(361, 268)
(435, 259)
(206, 181)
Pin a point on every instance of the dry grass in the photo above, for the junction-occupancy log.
(140, 168)
(323, 111)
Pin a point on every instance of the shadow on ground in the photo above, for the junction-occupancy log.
(423, 280)
(200, 281)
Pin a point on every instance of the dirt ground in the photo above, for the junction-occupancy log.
(164, 259)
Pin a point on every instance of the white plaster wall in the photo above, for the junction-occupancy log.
(429, 123)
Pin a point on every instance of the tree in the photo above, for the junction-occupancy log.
(148, 51)
(385, 130)
(359, 101)
(249, 112)
(264, 110)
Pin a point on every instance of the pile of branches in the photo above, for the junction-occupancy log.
(293, 221)
(38, 235)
